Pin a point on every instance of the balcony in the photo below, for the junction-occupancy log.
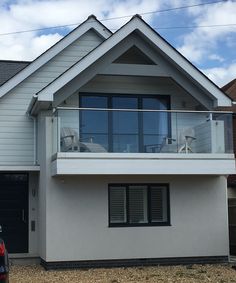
(150, 141)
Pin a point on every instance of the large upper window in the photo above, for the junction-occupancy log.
(138, 205)
(125, 131)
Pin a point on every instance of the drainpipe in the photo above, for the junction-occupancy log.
(35, 136)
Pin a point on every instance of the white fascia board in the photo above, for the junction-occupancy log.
(90, 23)
(19, 168)
(184, 64)
(137, 24)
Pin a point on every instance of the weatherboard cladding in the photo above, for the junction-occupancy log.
(16, 128)
(9, 68)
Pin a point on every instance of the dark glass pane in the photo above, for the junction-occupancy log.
(153, 143)
(93, 121)
(125, 122)
(124, 102)
(125, 143)
(155, 123)
(92, 142)
(14, 179)
(94, 101)
(155, 103)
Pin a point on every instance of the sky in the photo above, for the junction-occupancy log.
(211, 49)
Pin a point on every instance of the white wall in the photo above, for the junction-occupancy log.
(73, 215)
(33, 212)
(77, 220)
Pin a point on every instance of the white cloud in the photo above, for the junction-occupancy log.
(33, 14)
(216, 57)
(197, 46)
(201, 42)
(221, 75)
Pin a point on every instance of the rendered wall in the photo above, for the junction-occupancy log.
(77, 220)
(33, 213)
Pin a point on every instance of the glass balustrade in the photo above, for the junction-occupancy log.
(99, 130)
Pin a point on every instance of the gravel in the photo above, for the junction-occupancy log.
(190, 274)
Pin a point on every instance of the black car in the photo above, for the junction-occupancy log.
(4, 264)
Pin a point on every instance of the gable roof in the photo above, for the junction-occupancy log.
(135, 24)
(9, 68)
(90, 23)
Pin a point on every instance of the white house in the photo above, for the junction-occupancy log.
(111, 153)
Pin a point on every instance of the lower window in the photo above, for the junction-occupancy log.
(139, 205)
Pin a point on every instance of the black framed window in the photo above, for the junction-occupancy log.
(125, 131)
(139, 205)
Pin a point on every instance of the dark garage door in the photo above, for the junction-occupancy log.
(14, 211)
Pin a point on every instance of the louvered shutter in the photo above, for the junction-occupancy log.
(138, 204)
(117, 204)
(158, 204)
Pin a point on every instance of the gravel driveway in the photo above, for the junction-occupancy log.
(195, 273)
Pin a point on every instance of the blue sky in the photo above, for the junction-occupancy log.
(211, 49)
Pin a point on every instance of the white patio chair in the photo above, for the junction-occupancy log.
(69, 139)
(186, 137)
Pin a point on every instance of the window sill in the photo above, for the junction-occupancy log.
(139, 225)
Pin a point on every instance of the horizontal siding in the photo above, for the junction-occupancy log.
(15, 147)
(14, 100)
(17, 159)
(16, 128)
(21, 119)
(13, 135)
(17, 142)
(19, 106)
(15, 123)
(65, 59)
(13, 112)
(13, 152)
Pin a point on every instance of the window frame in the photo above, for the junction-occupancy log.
(149, 223)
